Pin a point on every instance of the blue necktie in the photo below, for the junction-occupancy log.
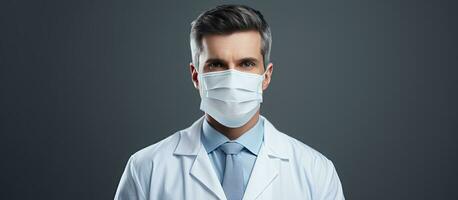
(233, 172)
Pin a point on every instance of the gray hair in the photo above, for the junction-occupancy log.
(226, 19)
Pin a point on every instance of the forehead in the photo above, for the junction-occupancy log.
(234, 45)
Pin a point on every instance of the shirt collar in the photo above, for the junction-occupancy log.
(252, 139)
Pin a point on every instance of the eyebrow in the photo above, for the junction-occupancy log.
(215, 60)
(249, 59)
(218, 60)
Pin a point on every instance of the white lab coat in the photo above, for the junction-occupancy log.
(178, 167)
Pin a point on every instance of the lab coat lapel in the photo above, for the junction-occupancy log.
(201, 169)
(266, 168)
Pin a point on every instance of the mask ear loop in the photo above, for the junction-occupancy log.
(200, 78)
(264, 74)
(263, 78)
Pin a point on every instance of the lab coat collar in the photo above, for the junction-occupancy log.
(190, 143)
(265, 170)
(251, 139)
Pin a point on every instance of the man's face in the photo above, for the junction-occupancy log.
(240, 51)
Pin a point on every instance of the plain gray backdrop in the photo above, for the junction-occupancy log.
(370, 84)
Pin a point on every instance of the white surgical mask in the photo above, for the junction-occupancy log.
(231, 97)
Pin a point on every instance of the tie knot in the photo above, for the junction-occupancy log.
(231, 148)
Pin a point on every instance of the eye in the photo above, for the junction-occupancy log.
(248, 64)
(215, 64)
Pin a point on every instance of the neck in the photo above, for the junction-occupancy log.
(233, 133)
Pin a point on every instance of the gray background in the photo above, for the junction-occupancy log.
(370, 84)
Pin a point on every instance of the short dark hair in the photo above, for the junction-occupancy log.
(227, 19)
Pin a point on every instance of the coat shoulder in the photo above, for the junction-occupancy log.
(315, 168)
(146, 156)
(305, 155)
(162, 152)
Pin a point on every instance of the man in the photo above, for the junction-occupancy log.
(232, 152)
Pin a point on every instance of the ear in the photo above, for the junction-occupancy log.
(267, 76)
(194, 72)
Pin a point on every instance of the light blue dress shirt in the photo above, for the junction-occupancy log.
(251, 140)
